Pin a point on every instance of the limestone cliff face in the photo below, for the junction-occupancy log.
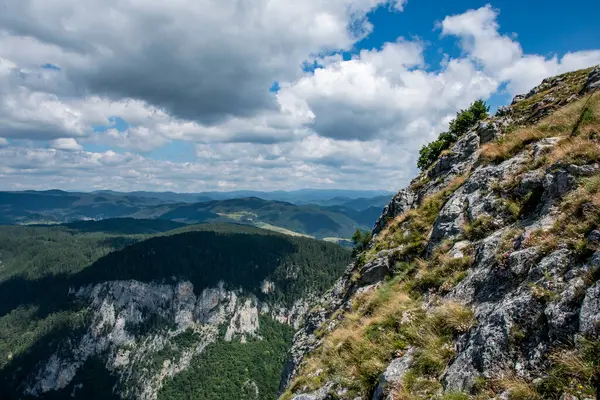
(512, 249)
(133, 324)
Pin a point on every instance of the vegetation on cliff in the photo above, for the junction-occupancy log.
(488, 273)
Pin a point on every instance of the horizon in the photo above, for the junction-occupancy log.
(384, 192)
(338, 94)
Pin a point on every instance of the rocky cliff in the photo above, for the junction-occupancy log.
(208, 312)
(140, 329)
(482, 277)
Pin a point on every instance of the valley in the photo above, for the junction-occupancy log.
(100, 309)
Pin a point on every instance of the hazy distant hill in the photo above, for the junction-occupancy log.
(310, 220)
(339, 216)
(58, 206)
(301, 196)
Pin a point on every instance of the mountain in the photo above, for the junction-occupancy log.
(363, 203)
(93, 311)
(55, 207)
(307, 219)
(482, 280)
(301, 196)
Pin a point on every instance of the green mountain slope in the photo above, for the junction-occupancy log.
(55, 279)
(309, 219)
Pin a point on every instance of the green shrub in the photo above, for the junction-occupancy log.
(465, 120)
(480, 228)
(361, 240)
(429, 153)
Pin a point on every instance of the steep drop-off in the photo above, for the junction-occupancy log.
(90, 312)
(481, 281)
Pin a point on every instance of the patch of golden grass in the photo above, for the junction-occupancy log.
(455, 317)
(559, 124)
(383, 323)
(518, 389)
(574, 150)
(509, 145)
(411, 229)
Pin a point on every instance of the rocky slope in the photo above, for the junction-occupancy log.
(132, 322)
(482, 277)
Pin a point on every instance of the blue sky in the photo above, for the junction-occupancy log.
(203, 95)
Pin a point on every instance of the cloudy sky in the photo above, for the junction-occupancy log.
(192, 95)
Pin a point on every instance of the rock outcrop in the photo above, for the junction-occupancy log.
(132, 322)
(531, 284)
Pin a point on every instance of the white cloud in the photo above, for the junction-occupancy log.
(30, 168)
(199, 59)
(502, 57)
(200, 71)
(66, 144)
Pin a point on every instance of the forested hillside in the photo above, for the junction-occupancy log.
(57, 281)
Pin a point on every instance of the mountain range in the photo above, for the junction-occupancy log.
(336, 217)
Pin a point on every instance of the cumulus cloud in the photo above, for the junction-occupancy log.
(200, 71)
(69, 144)
(199, 59)
(501, 56)
(29, 168)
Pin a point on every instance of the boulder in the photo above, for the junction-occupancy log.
(593, 80)
(488, 131)
(393, 375)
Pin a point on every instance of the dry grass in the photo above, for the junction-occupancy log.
(574, 150)
(479, 228)
(510, 145)
(411, 229)
(442, 272)
(454, 317)
(574, 371)
(383, 323)
(558, 124)
(518, 389)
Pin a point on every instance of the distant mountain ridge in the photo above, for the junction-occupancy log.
(300, 196)
(312, 212)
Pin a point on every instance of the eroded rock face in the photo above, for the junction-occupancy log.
(133, 320)
(527, 301)
(403, 201)
(593, 80)
(392, 376)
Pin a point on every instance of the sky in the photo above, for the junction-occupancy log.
(194, 95)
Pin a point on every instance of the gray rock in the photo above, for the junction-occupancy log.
(376, 270)
(556, 184)
(594, 237)
(393, 375)
(519, 262)
(543, 146)
(321, 394)
(518, 98)
(449, 220)
(589, 315)
(488, 131)
(403, 201)
(593, 80)
(462, 153)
